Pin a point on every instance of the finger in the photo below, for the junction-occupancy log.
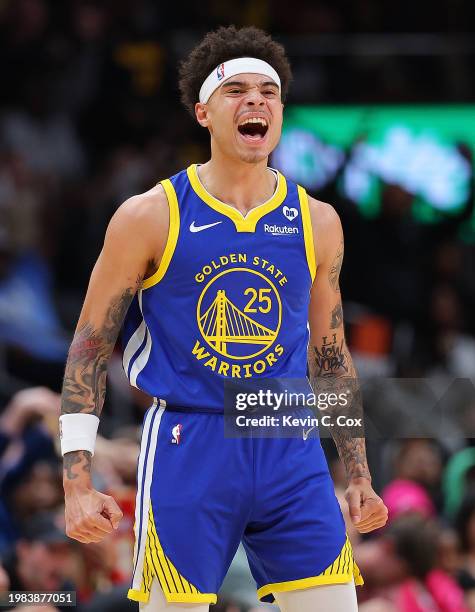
(371, 507)
(112, 511)
(376, 523)
(93, 524)
(84, 540)
(100, 523)
(354, 505)
(90, 530)
(371, 527)
(373, 518)
(87, 532)
(90, 537)
(85, 536)
(78, 537)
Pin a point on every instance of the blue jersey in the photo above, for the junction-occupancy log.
(230, 298)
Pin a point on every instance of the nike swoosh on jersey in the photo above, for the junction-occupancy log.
(199, 228)
(307, 433)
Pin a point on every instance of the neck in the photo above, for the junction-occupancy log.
(237, 183)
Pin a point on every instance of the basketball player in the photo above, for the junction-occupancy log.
(218, 274)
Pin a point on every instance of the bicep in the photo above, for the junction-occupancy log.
(327, 348)
(325, 312)
(111, 288)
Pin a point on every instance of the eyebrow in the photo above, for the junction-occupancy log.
(244, 84)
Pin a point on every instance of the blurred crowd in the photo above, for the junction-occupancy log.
(89, 115)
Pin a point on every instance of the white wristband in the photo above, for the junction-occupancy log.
(78, 432)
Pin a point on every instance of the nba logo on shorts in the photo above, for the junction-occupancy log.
(220, 72)
(176, 433)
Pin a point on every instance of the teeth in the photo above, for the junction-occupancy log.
(260, 120)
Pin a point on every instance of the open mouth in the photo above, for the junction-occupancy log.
(254, 128)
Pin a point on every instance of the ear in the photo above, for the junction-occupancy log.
(201, 112)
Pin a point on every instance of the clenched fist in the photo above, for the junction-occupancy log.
(90, 515)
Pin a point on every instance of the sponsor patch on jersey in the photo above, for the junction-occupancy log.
(280, 230)
(290, 213)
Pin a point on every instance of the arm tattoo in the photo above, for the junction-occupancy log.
(337, 317)
(85, 376)
(84, 384)
(332, 371)
(83, 458)
(335, 268)
(330, 357)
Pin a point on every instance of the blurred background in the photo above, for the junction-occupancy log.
(380, 122)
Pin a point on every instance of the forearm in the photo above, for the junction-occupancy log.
(84, 381)
(332, 371)
(83, 391)
(84, 384)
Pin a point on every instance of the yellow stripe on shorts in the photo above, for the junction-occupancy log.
(175, 586)
(343, 569)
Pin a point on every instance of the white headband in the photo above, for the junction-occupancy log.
(232, 67)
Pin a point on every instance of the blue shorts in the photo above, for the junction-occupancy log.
(200, 494)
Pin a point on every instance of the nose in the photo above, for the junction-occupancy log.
(254, 97)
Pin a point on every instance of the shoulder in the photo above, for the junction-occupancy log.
(326, 228)
(144, 208)
(323, 215)
(143, 215)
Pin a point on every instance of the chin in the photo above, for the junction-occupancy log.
(253, 157)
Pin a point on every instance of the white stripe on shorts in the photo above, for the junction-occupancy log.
(145, 473)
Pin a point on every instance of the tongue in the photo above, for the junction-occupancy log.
(253, 130)
(255, 136)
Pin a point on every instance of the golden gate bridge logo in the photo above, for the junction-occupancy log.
(224, 324)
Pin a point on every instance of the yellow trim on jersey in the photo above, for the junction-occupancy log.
(243, 224)
(173, 231)
(343, 569)
(175, 587)
(307, 231)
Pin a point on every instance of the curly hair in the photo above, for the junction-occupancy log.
(229, 43)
